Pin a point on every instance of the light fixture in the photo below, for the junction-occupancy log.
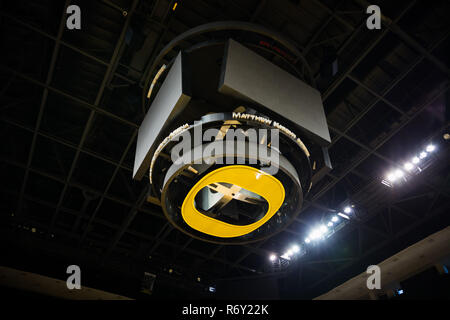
(391, 177)
(408, 166)
(399, 173)
(430, 148)
(344, 216)
(286, 256)
(386, 183)
(315, 234)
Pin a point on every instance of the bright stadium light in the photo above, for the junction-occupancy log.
(315, 234)
(335, 219)
(408, 166)
(398, 176)
(272, 257)
(391, 177)
(399, 173)
(330, 224)
(286, 257)
(295, 248)
(307, 240)
(323, 229)
(344, 216)
(347, 209)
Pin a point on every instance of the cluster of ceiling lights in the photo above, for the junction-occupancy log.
(325, 230)
(321, 232)
(414, 166)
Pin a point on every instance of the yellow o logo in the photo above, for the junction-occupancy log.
(252, 179)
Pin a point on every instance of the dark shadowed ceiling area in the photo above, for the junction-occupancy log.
(71, 105)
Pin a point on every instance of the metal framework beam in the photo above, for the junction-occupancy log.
(109, 71)
(51, 69)
(356, 62)
(60, 42)
(381, 143)
(393, 26)
(71, 234)
(384, 243)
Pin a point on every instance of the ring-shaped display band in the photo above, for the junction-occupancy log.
(249, 178)
(172, 208)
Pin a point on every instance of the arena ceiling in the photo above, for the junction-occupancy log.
(71, 105)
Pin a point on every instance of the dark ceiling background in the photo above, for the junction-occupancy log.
(70, 107)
